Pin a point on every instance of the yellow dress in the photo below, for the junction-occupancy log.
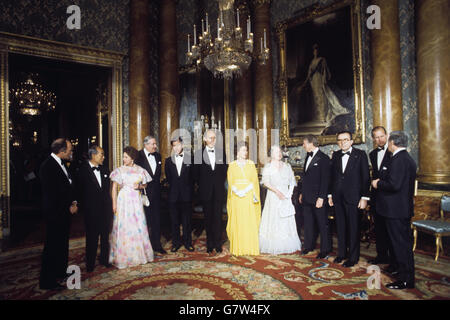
(244, 215)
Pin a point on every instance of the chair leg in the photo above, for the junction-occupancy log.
(440, 243)
(438, 240)
(415, 238)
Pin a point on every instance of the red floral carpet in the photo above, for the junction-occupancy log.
(200, 276)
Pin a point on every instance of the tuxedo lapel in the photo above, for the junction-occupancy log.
(314, 160)
(206, 158)
(339, 161)
(92, 176)
(386, 158)
(147, 164)
(60, 170)
(304, 166)
(353, 158)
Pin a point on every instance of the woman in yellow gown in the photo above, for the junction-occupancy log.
(243, 205)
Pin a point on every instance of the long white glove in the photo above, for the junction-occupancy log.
(242, 193)
(239, 193)
(249, 187)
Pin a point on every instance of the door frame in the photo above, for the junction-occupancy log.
(19, 44)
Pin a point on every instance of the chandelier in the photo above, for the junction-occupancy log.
(229, 53)
(30, 98)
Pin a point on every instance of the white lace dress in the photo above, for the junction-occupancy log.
(278, 230)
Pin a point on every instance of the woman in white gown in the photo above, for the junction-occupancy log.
(278, 230)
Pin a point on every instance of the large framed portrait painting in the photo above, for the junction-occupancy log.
(321, 73)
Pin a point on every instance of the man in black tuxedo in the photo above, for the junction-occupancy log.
(179, 172)
(316, 175)
(350, 183)
(150, 160)
(59, 203)
(210, 173)
(379, 158)
(395, 202)
(96, 204)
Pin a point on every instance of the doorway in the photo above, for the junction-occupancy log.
(87, 84)
(80, 92)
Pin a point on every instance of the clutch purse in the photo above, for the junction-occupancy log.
(287, 209)
(144, 199)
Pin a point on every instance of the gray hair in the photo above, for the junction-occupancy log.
(311, 139)
(92, 151)
(147, 139)
(399, 138)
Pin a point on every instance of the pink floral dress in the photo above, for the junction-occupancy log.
(129, 240)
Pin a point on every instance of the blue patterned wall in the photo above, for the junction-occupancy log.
(409, 84)
(154, 70)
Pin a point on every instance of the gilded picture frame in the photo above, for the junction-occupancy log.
(320, 73)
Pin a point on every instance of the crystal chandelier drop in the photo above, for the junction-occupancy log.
(229, 53)
(30, 98)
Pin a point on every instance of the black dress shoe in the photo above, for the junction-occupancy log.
(305, 251)
(175, 248)
(322, 255)
(349, 263)
(161, 250)
(189, 248)
(338, 259)
(400, 285)
(107, 265)
(378, 260)
(90, 269)
(219, 249)
(209, 250)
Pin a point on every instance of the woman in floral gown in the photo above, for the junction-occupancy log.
(130, 243)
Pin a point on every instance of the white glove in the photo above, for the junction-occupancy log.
(249, 187)
(239, 193)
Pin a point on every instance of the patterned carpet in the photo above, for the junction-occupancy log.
(199, 276)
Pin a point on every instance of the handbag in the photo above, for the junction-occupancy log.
(144, 199)
(287, 209)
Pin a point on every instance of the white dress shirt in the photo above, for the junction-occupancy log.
(179, 162)
(345, 158)
(97, 174)
(151, 160)
(310, 158)
(211, 156)
(380, 155)
(58, 159)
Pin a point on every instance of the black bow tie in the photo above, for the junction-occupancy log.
(96, 168)
(380, 149)
(179, 155)
(211, 150)
(310, 154)
(151, 154)
(346, 153)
